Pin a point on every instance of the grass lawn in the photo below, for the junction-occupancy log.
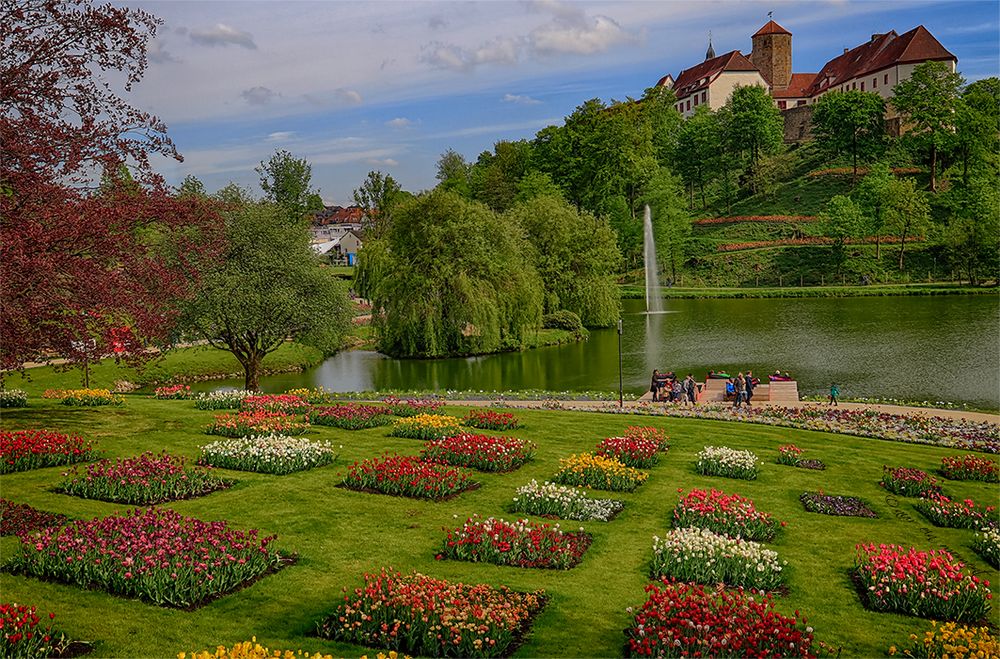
(339, 534)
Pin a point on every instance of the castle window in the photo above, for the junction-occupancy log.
(854, 85)
(703, 96)
(798, 103)
(886, 80)
(696, 100)
(862, 85)
(874, 83)
(689, 104)
(782, 105)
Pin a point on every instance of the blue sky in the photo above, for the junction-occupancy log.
(356, 86)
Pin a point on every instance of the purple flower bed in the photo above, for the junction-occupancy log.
(835, 504)
(810, 464)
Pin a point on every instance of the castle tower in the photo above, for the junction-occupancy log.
(772, 54)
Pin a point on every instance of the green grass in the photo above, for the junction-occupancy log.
(339, 534)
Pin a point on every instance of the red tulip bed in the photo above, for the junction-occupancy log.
(928, 584)
(970, 468)
(407, 476)
(482, 452)
(18, 518)
(284, 403)
(21, 450)
(789, 454)
(172, 392)
(152, 554)
(521, 544)
(648, 433)
(411, 406)
(244, 424)
(728, 514)
(350, 416)
(490, 420)
(909, 482)
(22, 633)
(942, 511)
(419, 615)
(143, 480)
(686, 620)
(631, 451)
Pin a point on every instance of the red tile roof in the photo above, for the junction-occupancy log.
(797, 87)
(771, 28)
(699, 77)
(881, 52)
(338, 215)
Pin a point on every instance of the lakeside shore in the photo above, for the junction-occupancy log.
(634, 291)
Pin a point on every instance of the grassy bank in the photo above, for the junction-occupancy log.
(632, 291)
(340, 534)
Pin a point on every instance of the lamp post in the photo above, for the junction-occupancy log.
(621, 394)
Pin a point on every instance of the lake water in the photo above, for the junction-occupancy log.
(943, 348)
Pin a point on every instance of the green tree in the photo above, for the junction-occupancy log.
(696, 150)
(453, 172)
(972, 236)
(928, 101)
(287, 181)
(658, 109)
(977, 129)
(752, 125)
(907, 212)
(191, 186)
(575, 255)
(234, 195)
(842, 221)
(671, 222)
(537, 184)
(871, 196)
(851, 122)
(495, 176)
(377, 196)
(269, 287)
(457, 281)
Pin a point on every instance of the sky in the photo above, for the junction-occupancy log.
(390, 86)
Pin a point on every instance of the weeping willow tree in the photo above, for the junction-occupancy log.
(454, 279)
(576, 255)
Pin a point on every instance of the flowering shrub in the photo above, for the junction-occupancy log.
(909, 482)
(284, 403)
(631, 451)
(426, 426)
(23, 637)
(350, 416)
(522, 543)
(929, 584)
(481, 452)
(789, 454)
(554, 500)
(432, 618)
(21, 450)
(836, 504)
(970, 468)
(252, 650)
(685, 620)
(153, 554)
(599, 472)
(942, 511)
(84, 397)
(951, 640)
(221, 400)
(143, 480)
(244, 424)
(987, 545)
(173, 392)
(13, 398)
(490, 420)
(701, 556)
(268, 454)
(724, 461)
(728, 514)
(648, 433)
(411, 406)
(407, 476)
(18, 518)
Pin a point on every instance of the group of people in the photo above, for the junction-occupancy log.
(666, 387)
(740, 389)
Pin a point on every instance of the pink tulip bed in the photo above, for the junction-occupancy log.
(927, 584)
(173, 392)
(482, 452)
(411, 406)
(965, 514)
(350, 416)
(21, 450)
(909, 482)
(407, 476)
(143, 480)
(791, 455)
(522, 543)
(153, 554)
(970, 468)
(244, 424)
(490, 420)
(728, 514)
(631, 451)
(18, 518)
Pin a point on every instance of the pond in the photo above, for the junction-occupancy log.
(937, 348)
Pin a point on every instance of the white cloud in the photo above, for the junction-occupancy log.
(158, 54)
(280, 136)
(349, 96)
(399, 122)
(519, 99)
(496, 128)
(259, 95)
(386, 162)
(223, 35)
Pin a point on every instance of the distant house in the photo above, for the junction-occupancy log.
(335, 221)
(341, 250)
(711, 82)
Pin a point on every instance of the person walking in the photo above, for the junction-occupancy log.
(740, 385)
(749, 387)
(689, 388)
(834, 393)
(654, 384)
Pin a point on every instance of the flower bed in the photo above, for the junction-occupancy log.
(317, 396)
(244, 424)
(942, 511)
(13, 398)
(700, 556)
(426, 426)
(970, 468)
(268, 454)
(521, 544)
(648, 433)
(550, 499)
(631, 451)
(430, 617)
(253, 650)
(728, 514)
(21, 450)
(481, 452)
(173, 392)
(152, 554)
(18, 518)
(685, 620)
(407, 476)
(909, 482)
(350, 416)
(490, 420)
(599, 472)
(284, 403)
(836, 504)
(789, 454)
(951, 640)
(84, 397)
(987, 545)
(811, 464)
(22, 635)
(724, 461)
(221, 400)
(411, 406)
(143, 480)
(928, 584)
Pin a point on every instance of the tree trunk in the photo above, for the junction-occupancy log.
(878, 247)
(251, 369)
(933, 167)
(902, 247)
(854, 152)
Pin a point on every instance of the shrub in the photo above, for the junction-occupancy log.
(836, 504)
(909, 482)
(407, 476)
(24, 637)
(350, 416)
(173, 392)
(221, 400)
(21, 450)
(563, 319)
(426, 426)
(724, 461)
(13, 398)
(268, 454)
(970, 468)
(521, 544)
(599, 472)
(18, 518)
(942, 511)
(700, 556)
(728, 514)
(480, 452)
(244, 424)
(987, 545)
(554, 500)
(951, 640)
(490, 420)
